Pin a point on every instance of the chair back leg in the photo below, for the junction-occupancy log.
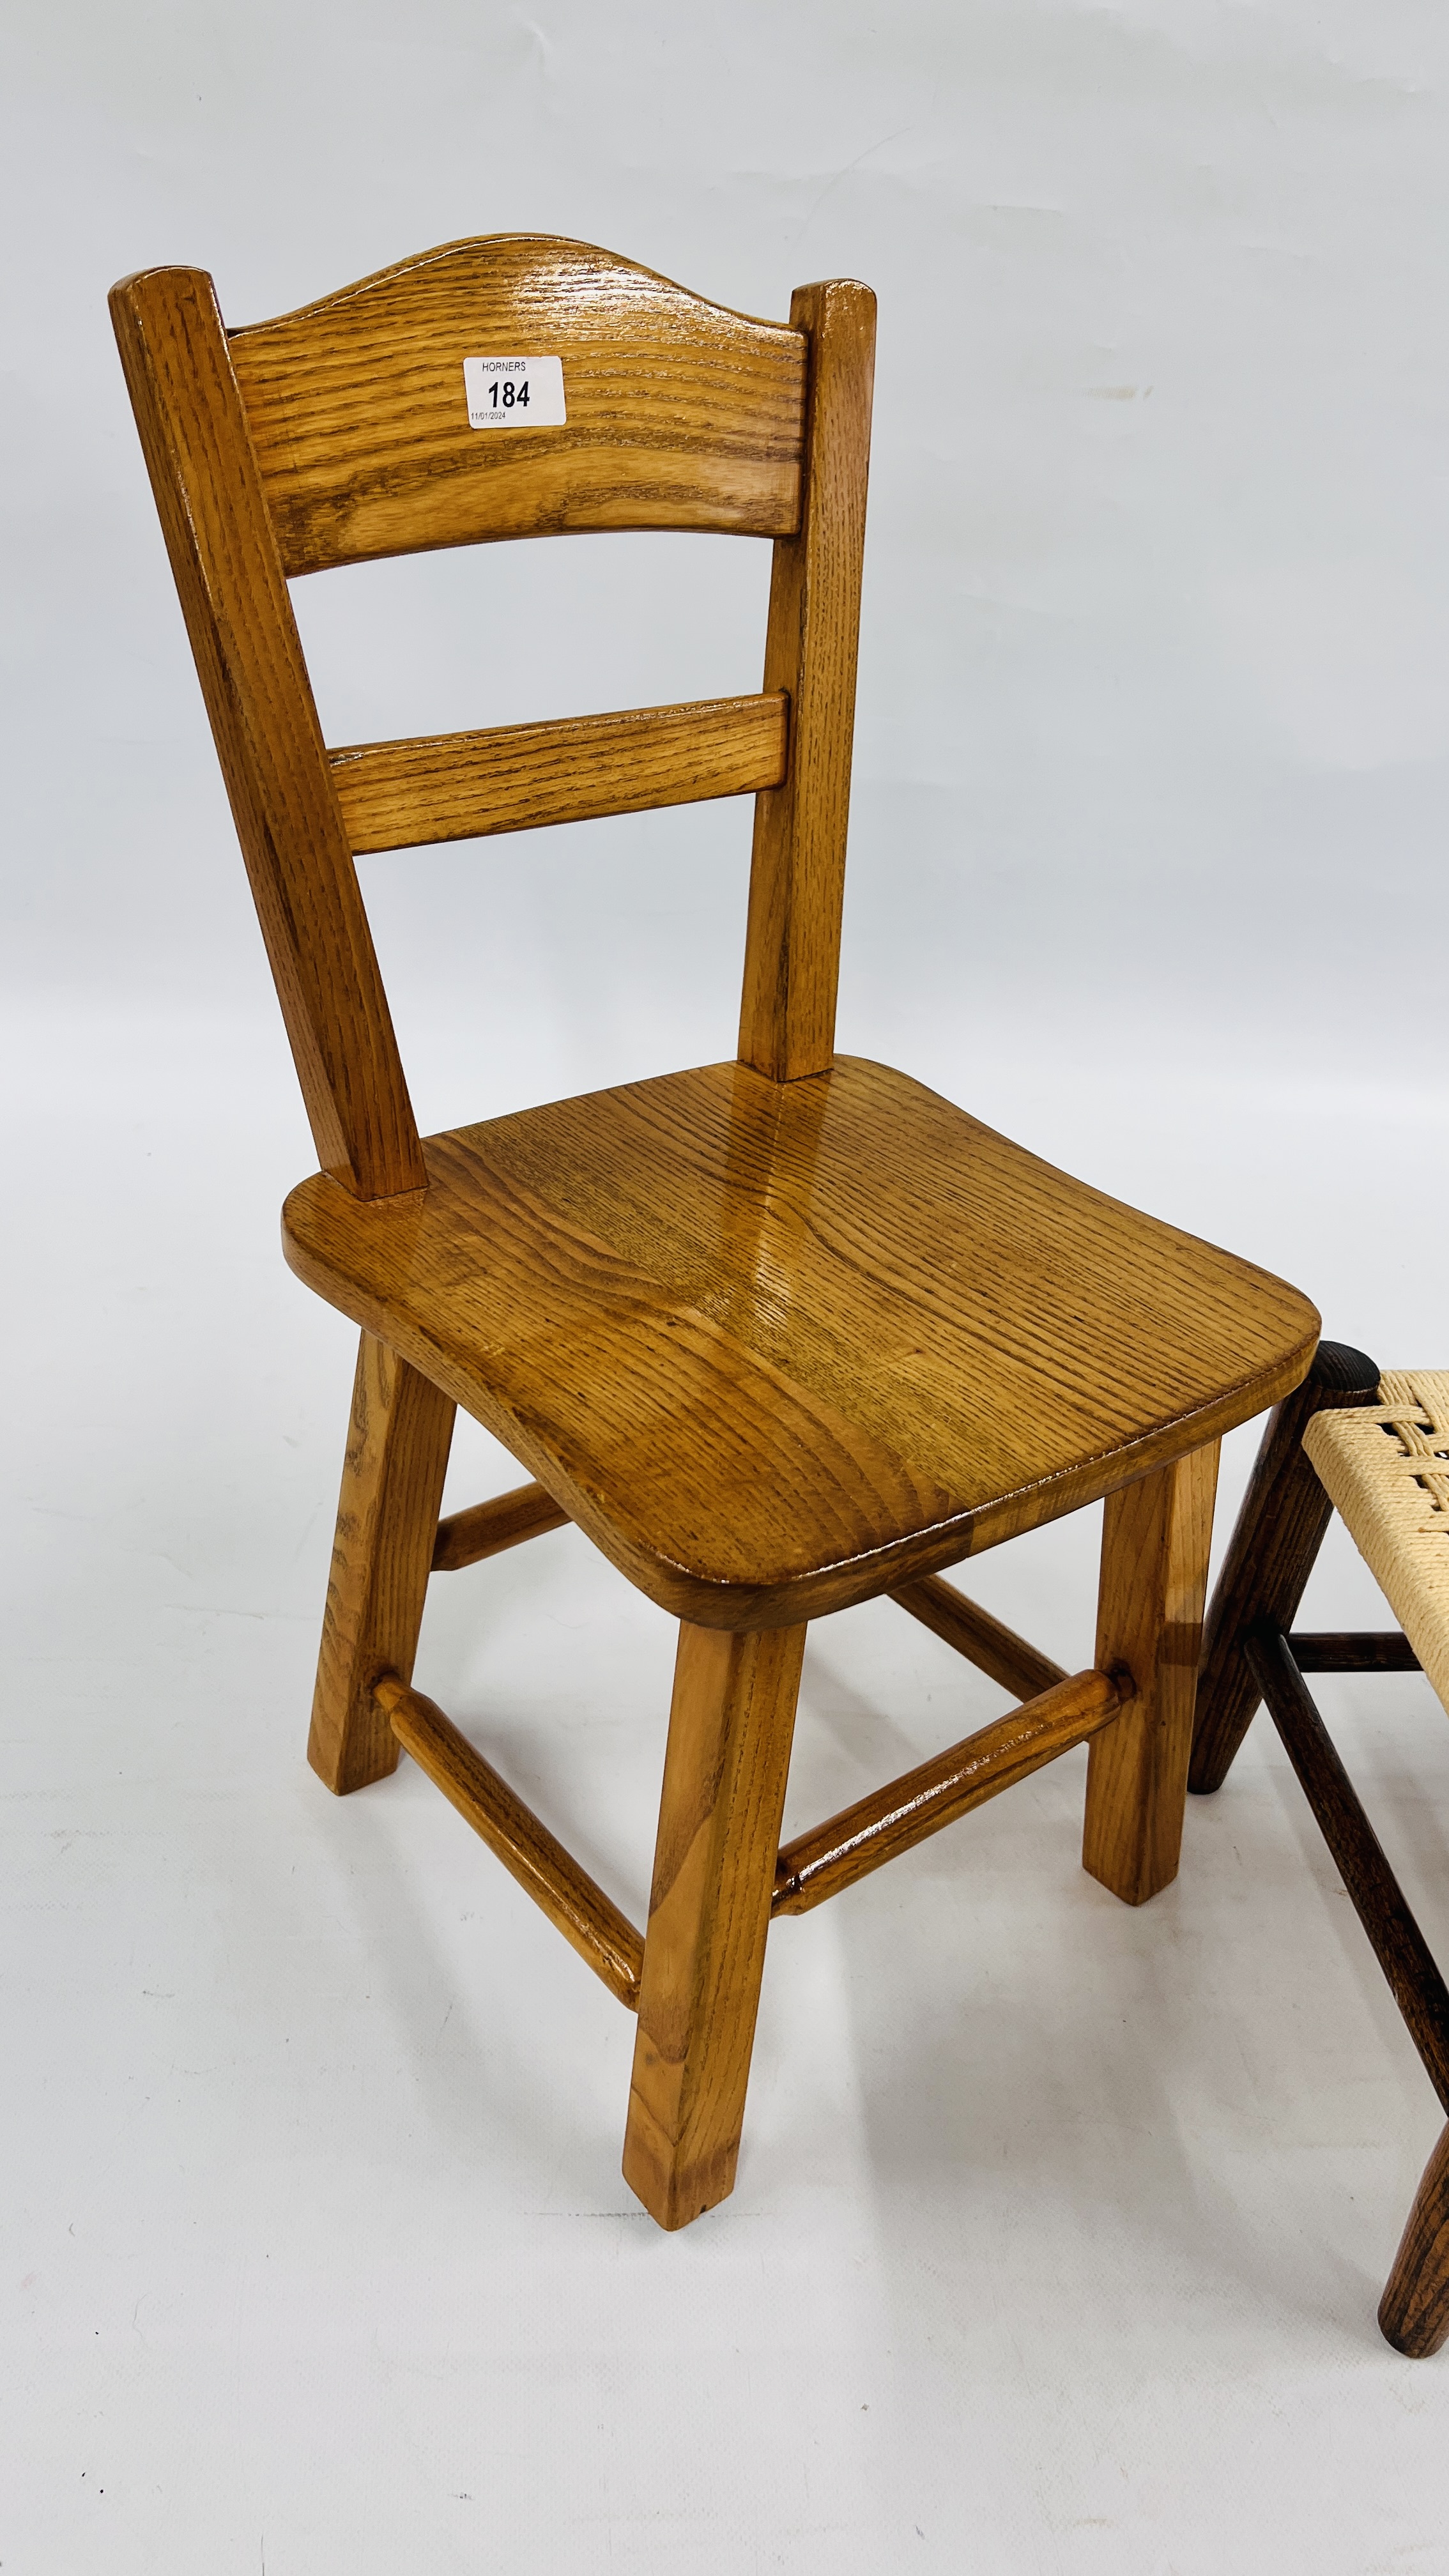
(387, 1519)
(725, 1769)
(1156, 1535)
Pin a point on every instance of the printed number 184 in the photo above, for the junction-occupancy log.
(515, 393)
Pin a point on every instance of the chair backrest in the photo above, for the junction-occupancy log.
(342, 432)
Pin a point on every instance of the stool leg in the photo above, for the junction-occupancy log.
(387, 1519)
(1276, 1537)
(1414, 2310)
(1155, 1540)
(730, 1726)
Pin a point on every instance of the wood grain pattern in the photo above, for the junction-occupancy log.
(890, 1821)
(486, 1529)
(725, 1768)
(797, 876)
(1355, 1650)
(779, 1335)
(984, 1641)
(1155, 1540)
(1378, 1900)
(259, 699)
(453, 786)
(780, 1347)
(575, 1904)
(392, 1482)
(1414, 2310)
(681, 414)
(1275, 1540)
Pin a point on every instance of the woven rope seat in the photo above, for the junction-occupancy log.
(1385, 1467)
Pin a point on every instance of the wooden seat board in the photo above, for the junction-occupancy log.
(778, 1346)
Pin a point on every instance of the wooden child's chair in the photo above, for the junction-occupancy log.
(779, 1334)
(1377, 1450)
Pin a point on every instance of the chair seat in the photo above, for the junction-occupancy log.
(1385, 1468)
(778, 1348)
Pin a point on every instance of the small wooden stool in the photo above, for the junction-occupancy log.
(1377, 1449)
(779, 1334)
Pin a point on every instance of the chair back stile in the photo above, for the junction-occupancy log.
(340, 433)
(213, 512)
(797, 873)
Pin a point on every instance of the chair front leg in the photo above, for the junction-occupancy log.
(1156, 1535)
(728, 1758)
(387, 1519)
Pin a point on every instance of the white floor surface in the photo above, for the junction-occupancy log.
(1060, 2227)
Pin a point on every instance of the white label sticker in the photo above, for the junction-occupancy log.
(514, 393)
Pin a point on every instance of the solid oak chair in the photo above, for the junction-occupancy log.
(1377, 1449)
(779, 1334)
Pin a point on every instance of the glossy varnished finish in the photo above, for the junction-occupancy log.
(681, 414)
(777, 1348)
(1414, 2310)
(1155, 1540)
(259, 699)
(397, 795)
(778, 1335)
(575, 1904)
(725, 1768)
(891, 1820)
(392, 1482)
(797, 874)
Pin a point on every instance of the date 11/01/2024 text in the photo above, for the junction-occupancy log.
(514, 393)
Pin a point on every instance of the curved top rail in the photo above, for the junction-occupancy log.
(680, 413)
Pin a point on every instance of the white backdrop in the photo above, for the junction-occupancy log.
(1153, 717)
(1152, 761)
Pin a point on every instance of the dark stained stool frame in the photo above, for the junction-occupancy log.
(1251, 1652)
